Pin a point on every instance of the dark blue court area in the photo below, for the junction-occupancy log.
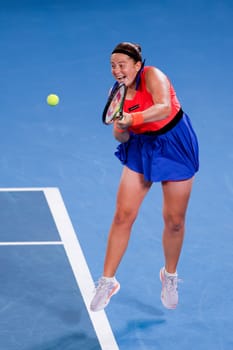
(59, 177)
(41, 306)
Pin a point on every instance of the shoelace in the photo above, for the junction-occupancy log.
(171, 283)
(100, 284)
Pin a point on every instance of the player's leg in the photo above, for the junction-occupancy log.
(131, 192)
(175, 201)
(176, 196)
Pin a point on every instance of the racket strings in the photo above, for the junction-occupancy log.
(115, 108)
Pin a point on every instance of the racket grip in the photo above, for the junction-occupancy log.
(137, 119)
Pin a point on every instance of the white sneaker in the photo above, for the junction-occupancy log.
(169, 293)
(104, 291)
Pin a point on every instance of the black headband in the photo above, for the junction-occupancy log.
(136, 56)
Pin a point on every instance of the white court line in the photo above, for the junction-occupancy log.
(18, 189)
(79, 267)
(77, 261)
(32, 243)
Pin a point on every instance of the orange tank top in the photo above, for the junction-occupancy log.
(143, 100)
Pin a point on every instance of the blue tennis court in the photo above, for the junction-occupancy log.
(59, 177)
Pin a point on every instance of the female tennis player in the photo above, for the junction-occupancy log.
(157, 144)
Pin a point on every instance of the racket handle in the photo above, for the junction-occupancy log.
(120, 116)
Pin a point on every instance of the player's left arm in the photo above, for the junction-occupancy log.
(158, 86)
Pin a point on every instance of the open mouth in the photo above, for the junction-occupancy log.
(121, 79)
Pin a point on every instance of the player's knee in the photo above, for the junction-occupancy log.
(176, 227)
(174, 223)
(124, 217)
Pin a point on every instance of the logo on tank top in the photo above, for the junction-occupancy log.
(130, 109)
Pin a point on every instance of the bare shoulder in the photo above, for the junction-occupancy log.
(154, 73)
(156, 81)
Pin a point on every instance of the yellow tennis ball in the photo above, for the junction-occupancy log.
(52, 100)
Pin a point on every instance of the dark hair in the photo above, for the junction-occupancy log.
(130, 49)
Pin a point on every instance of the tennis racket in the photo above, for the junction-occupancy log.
(114, 107)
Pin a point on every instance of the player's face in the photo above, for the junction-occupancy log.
(124, 69)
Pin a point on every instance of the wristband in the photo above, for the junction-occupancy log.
(118, 129)
(137, 119)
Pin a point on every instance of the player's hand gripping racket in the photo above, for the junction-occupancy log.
(114, 106)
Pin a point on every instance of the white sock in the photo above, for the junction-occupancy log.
(109, 279)
(168, 274)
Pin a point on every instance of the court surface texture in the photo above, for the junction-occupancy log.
(59, 177)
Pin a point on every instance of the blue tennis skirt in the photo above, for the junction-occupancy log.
(172, 156)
